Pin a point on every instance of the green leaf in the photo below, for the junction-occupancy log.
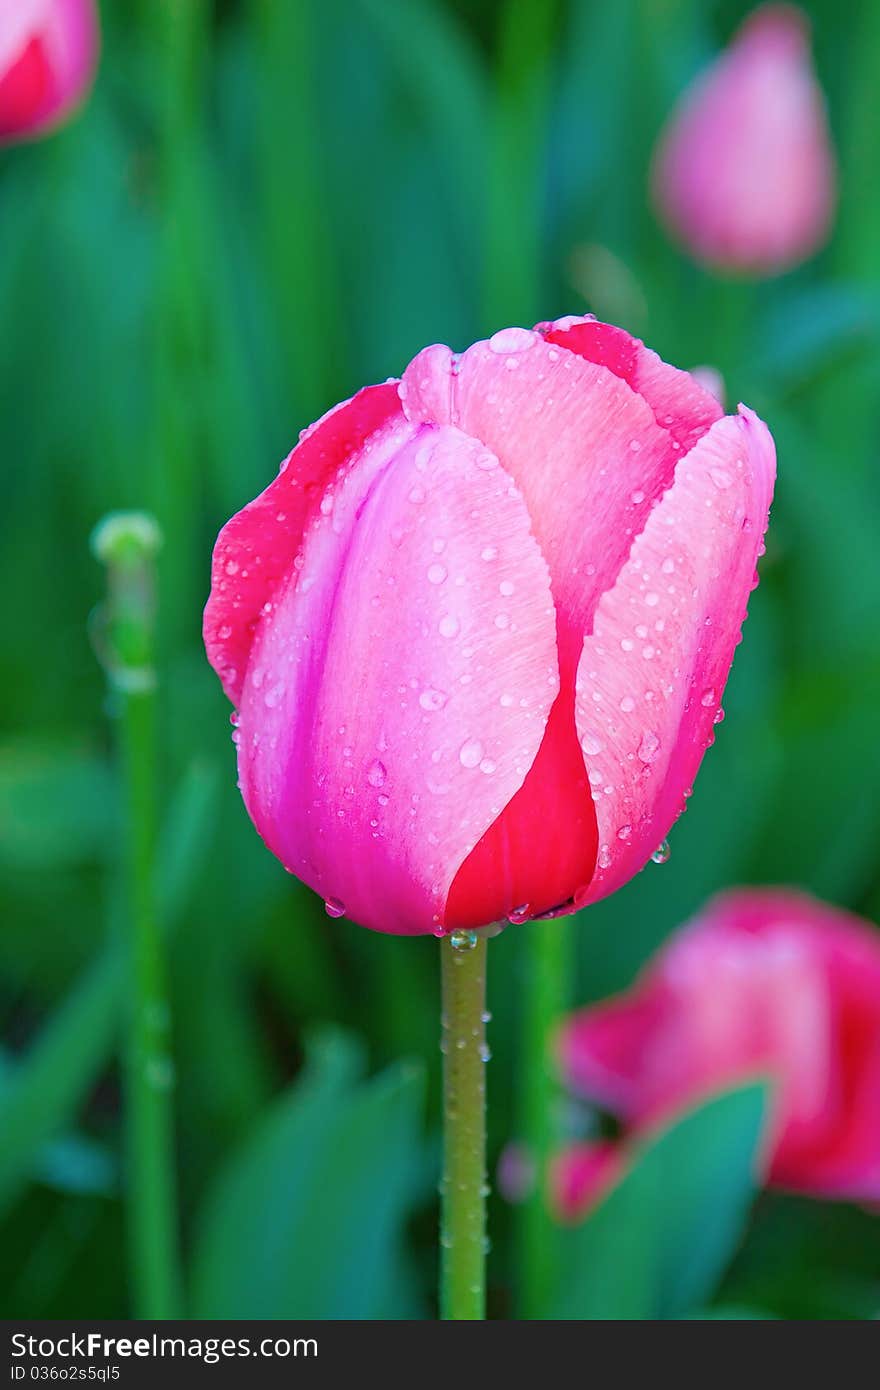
(304, 1221)
(42, 1095)
(43, 1090)
(658, 1243)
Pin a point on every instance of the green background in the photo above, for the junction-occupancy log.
(264, 206)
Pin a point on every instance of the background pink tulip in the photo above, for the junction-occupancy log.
(764, 981)
(744, 173)
(478, 628)
(48, 55)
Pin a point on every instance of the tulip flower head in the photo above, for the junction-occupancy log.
(478, 628)
(48, 56)
(762, 982)
(744, 173)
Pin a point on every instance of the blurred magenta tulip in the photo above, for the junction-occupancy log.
(48, 55)
(762, 982)
(744, 172)
(478, 627)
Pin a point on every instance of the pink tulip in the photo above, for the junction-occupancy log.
(744, 172)
(762, 982)
(48, 55)
(478, 627)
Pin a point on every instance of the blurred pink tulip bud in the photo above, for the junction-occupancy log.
(581, 1175)
(478, 628)
(744, 173)
(762, 982)
(48, 56)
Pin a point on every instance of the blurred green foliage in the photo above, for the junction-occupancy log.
(263, 206)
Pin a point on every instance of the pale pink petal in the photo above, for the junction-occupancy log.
(680, 402)
(399, 688)
(581, 443)
(653, 669)
(256, 551)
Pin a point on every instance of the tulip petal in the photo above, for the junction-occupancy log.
(679, 400)
(581, 1175)
(604, 1051)
(652, 671)
(580, 442)
(255, 551)
(590, 425)
(399, 689)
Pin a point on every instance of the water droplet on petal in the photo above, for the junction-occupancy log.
(334, 908)
(708, 697)
(661, 853)
(520, 914)
(376, 774)
(649, 747)
(592, 744)
(511, 340)
(433, 699)
(471, 753)
(436, 574)
(448, 626)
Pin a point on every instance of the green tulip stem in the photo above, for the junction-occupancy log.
(126, 543)
(463, 1189)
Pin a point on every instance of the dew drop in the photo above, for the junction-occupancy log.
(708, 697)
(463, 941)
(436, 574)
(377, 774)
(448, 626)
(520, 914)
(334, 908)
(627, 704)
(661, 853)
(433, 699)
(649, 747)
(511, 340)
(471, 753)
(591, 744)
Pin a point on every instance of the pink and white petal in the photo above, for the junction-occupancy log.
(256, 551)
(583, 446)
(653, 669)
(399, 689)
(680, 402)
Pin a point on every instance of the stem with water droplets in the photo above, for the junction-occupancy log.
(126, 543)
(463, 1189)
